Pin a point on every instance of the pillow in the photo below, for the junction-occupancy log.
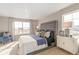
(37, 33)
(1, 34)
(6, 34)
(47, 34)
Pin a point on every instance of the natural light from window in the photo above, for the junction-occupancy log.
(71, 21)
(21, 28)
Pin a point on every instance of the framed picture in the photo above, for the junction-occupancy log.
(61, 33)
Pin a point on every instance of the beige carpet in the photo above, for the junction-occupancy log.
(54, 51)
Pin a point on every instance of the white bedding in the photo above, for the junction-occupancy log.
(9, 49)
(29, 44)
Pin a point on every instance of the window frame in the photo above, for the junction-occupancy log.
(22, 28)
(68, 14)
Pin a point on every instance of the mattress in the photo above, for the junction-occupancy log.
(28, 44)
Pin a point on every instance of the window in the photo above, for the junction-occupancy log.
(18, 28)
(21, 28)
(26, 27)
(67, 21)
(71, 21)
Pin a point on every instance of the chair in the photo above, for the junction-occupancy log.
(4, 37)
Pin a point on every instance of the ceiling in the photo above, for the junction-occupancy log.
(30, 10)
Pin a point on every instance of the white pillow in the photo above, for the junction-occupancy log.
(37, 33)
(47, 34)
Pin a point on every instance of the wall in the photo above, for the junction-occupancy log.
(34, 24)
(51, 26)
(3, 24)
(58, 15)
(6, 24)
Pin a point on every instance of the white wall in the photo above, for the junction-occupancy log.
(6, 24)
(3, 24)
(58, 15)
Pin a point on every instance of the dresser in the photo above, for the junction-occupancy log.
(67, 43)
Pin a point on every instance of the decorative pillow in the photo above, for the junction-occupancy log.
(42, 33)
(6, 34)
(37, 33)
(1, 34)
(47, 34)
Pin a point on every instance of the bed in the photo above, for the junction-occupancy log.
(31, 43)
